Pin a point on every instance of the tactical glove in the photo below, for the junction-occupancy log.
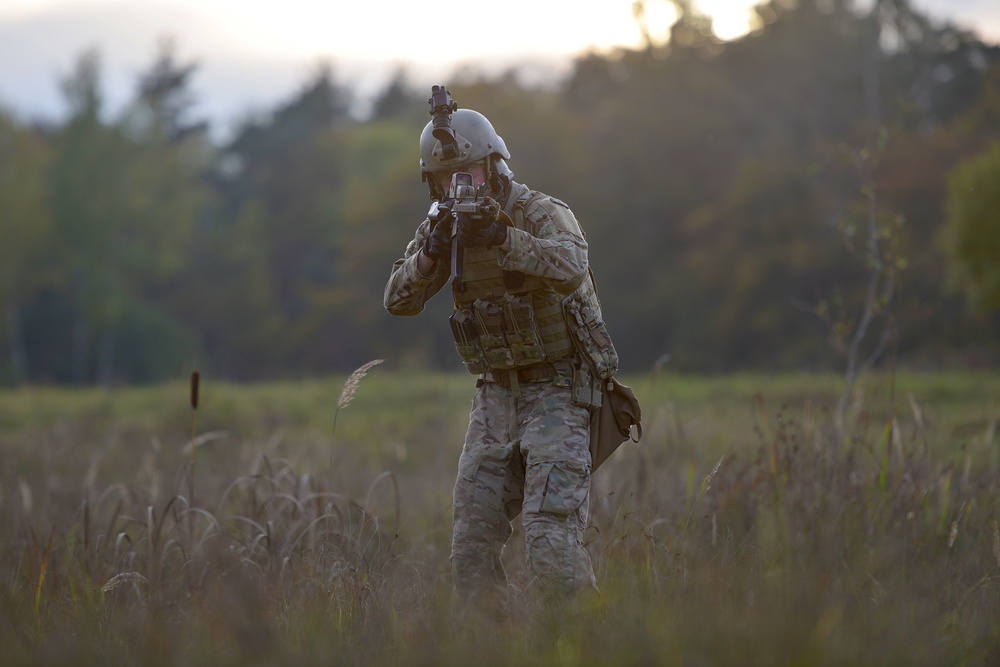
(437, 245)
(484, 228)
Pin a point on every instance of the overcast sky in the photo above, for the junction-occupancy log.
(256, 53)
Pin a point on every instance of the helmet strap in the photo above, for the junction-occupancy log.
(490, 172)
(499, 182)
(435, 191)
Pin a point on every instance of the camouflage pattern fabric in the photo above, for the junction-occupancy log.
(408, 290)
(552, 248)
(528, 454)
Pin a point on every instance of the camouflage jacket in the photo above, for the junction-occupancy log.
(551, 247)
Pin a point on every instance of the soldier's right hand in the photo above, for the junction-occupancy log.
(437, 245)
(440, 211)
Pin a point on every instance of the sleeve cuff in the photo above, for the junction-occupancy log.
(513, 258)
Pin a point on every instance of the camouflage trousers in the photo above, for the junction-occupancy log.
(525, 455)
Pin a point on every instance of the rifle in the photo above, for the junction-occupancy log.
(462, 197)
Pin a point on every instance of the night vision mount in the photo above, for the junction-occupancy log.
(442, 106)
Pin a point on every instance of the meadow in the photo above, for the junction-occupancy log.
(299, 523)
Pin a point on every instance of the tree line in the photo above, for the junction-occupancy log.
(757, 203)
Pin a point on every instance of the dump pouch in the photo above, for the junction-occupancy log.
(618, 418)
(590, 336)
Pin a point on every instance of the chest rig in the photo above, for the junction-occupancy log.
(507, 319)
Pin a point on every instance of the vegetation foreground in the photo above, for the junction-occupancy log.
(309, 523)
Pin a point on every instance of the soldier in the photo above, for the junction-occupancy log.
(526, 321)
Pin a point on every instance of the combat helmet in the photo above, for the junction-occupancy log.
(475, 140)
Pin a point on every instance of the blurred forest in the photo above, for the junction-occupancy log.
(827, 186)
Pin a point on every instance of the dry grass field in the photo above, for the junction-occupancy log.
(281, 524)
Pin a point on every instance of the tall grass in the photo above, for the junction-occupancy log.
(735, 533)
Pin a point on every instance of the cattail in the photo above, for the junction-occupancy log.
(195, 385)
(195, 378)
(351, 386)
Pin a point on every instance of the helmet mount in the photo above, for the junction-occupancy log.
(455, 138)
(442, 106)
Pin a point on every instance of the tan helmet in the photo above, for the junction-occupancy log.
(476, 139)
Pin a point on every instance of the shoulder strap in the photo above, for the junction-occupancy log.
(521, 205)
(514, 280)
(517, 278)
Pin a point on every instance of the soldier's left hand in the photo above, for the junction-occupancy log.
(482, 229)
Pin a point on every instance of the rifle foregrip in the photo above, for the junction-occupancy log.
(457, 258)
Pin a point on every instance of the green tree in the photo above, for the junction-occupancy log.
(125, 198)
(774, 255)
(398, 101)
(376, 213)
(84, 184)
(164, 97)
(162, 199)
(690, 163)
(972, 235)
(278, 179)
(25, 230)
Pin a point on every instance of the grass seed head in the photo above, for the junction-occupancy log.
(124, 578)
(996, 542)
(351, 385)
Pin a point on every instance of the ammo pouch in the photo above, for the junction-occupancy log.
(585, 385)
(492, 338)
(590, 336)
(523, 337)
(497, 335)
(466, 333)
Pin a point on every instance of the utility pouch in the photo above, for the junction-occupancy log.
(492, 335)
(587, 389)
(522, 331)
(466, 333)
(590, 336)
(619, 417)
